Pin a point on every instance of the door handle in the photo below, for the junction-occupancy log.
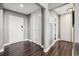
(21, 26)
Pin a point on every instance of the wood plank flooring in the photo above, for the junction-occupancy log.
(61, 48)
(27, 48)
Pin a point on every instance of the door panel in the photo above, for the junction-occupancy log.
(66, 27)
(36, 27)
(16, 31)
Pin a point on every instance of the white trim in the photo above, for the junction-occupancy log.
(26, 39)
(47, 49)
(23, 40)
(42, 46)
(6, 44)
(30, 40)
(2, 50)
(37, 44)
(15, 42)
(72, 51)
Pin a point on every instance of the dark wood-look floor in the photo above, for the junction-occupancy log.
(61, 48)
(27, 48)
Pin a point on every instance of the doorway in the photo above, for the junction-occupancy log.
(64, 25)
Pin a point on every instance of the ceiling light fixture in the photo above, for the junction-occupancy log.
(21, 5)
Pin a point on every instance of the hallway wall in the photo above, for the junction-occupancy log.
(47, 34)
(76, 23)
(54, 18)
(1, 28)
(48, 41)
(6, 24)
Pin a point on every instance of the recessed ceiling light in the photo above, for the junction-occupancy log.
(21, 5)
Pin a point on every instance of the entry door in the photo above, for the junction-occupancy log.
(66, 27)
(16, 32)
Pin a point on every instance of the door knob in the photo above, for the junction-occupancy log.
(21, 26)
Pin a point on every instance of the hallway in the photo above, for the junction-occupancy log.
(30, 29)
(27, 48)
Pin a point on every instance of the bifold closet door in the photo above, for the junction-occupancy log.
(66, 27)
(16, 31)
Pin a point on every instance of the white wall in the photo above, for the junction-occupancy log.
(47, 34)
(26, 27)
(66, 27)
(54, 20)
(47, 29)
(36, 27)
(1, 28)
(6, 25)
(77, 22)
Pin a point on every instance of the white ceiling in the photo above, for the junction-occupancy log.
(54, 5)
(63, 9)
(28, 8)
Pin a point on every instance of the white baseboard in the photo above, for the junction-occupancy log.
(15, 42)
(26, 39)
(42, 46)
(6, 44)
(37, 44)
(22, 40)
(72, 51)
(2, 50)
(30, 40)
(48, 48)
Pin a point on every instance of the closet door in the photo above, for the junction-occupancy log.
(66, 27)
(16, 31)
(36, 27)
